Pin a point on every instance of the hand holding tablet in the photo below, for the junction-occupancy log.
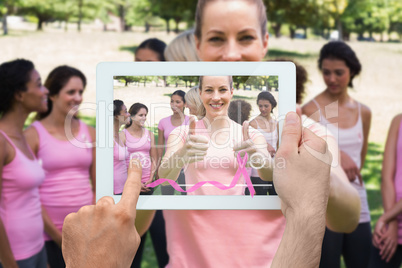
(103, 235)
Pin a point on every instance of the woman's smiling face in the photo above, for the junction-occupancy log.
(231, 31)
(216, 94)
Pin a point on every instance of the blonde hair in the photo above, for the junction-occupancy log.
(193, 98)
(182, 48)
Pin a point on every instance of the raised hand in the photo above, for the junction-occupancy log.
(105, 229)
(196, 146)
(256, 158)
(302, 178)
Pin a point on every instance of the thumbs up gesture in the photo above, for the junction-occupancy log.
(196, 146)
(257, 155)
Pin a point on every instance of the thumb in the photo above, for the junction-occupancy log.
(291, 134)
(245, 127)
(191, 124)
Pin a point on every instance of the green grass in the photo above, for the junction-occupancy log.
(279, 53)
(131, 49)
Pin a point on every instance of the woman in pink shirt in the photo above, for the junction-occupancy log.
(140, 144)
(21, 224)
(64, 145)
(120, 152)
(166, 126)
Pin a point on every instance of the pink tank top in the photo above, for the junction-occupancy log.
(67, 186)
(20, 207)
(350, 141)
(398, 179)
(140, 148)
(166, 125)
(120, 155)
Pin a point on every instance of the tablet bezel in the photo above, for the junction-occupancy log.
(105, 72)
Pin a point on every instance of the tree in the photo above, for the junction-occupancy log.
(178, 10)
(42, 10)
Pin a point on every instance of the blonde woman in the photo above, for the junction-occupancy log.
(182, 48)
(194, 103)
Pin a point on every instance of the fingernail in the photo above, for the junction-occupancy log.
(292, 118)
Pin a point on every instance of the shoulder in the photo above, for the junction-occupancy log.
(31, 134)
(365, 113)
(309, 108)
(165, 120)
(396, 121)
(122, 136)
(150, 133)
(92, 133)
(253, 123)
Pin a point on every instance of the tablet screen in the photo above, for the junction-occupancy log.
(158, 117)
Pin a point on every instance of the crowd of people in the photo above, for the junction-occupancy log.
(44, 176)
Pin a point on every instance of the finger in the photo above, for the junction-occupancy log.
(391, 253)
(384, 248)
(244, 145)
(291, 135)
(192, 123)
(359, 176)
(105, 201)
(315, 146)
(245, 127)
(132, 186)
(198, 139)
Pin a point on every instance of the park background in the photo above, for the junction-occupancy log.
(82, 33)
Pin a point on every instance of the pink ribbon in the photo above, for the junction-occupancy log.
(240, 170)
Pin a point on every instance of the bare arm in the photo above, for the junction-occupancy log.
(6, 255)
(161, 146)
(92, 170)
(385, 236)
(304, 210)
(179, 152)
(154, 156)
(366, 117)
(343, 211)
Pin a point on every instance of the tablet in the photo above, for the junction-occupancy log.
(152, 84)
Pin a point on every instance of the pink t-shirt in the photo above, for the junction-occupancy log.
(398, 179)
(67, 186)
(222, 238)
(165, 124)
(140, 148)
(20, 207)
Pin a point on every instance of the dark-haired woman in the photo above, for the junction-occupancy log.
(21, 223)
(266, 124)
(63, 144)
(120, 152)
(349, 121)
(140, 144)
(167, 125)
(150, 50)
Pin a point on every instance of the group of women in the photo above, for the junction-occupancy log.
(43, 175)
(32, 202)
